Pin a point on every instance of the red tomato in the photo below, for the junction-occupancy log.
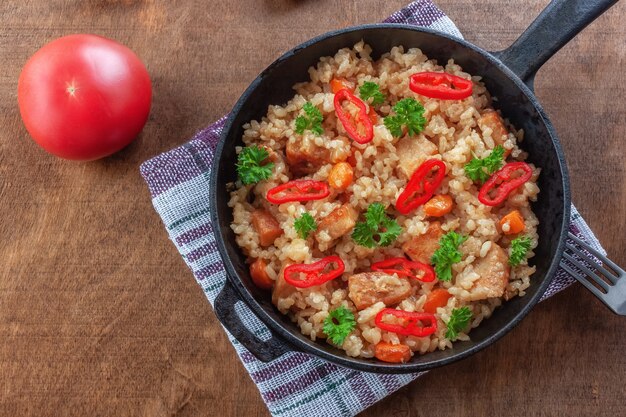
(84, 97)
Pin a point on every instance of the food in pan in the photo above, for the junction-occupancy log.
(386, 206)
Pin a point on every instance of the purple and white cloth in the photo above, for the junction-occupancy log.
(296, 384)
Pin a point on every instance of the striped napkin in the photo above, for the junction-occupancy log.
(296, 384)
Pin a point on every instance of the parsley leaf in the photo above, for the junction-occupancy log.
(519, 247)
(377, 229)
(391, 233)
(375, 215)
(371, 90)
(249, 168)
(339, 324)
(459, 319)
(304, 225)
(311, 120)
(481, 169)
(447, 254)
(363, 235)
(409, 113)
(301, 124)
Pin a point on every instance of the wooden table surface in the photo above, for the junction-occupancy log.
(100, 316)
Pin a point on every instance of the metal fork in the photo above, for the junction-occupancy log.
(609, 287)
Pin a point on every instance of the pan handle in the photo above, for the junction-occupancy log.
(557, 24)
(265, 351)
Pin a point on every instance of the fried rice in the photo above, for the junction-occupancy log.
(456, 131)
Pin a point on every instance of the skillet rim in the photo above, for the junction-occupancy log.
(282, 332)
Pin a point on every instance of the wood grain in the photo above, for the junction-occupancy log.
(98, 313)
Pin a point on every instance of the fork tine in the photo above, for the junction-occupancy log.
(611, 277)
(603, 258)
(583, 281)
(587, 271)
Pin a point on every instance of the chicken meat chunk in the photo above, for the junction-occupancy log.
(368, 288)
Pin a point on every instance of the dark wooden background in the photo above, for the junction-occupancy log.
(98, 313)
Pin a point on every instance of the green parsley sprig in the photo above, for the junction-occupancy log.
(519, 248)
(371, 90)
(409, 113)
(447, 254)
(310, 120)
(377, 229)
(250, 167)
(480, 169)
(339, 324)
(459, 319)
(304, 225)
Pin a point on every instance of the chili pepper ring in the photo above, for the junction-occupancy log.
(408, 200)
(404, 267)
(298, 190)
(351, 128)
(440, 85)
(411, 322)
(503, 184)
(314, 272)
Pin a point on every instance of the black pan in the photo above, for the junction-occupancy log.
(508, 75)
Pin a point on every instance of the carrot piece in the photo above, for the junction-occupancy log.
(435, 299)
(388, 352)
(337, 84)
(438, 206)
(340, 176)
(259, 274)
(266, 226)
(512, 223)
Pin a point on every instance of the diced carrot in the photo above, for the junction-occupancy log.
(388, 352)
(512, 223)
(340, 176)
(259, 275)
(435, 299)
(438, 206)
(337, 84)
(266, 226)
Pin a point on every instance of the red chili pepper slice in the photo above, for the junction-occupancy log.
(420, 189)
(440, 85)
(314, 273)
(411, 322)
(344, 118)
(298, 190)
(502, 183)
(404, 267)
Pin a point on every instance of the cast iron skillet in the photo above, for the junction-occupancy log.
(508, 75)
